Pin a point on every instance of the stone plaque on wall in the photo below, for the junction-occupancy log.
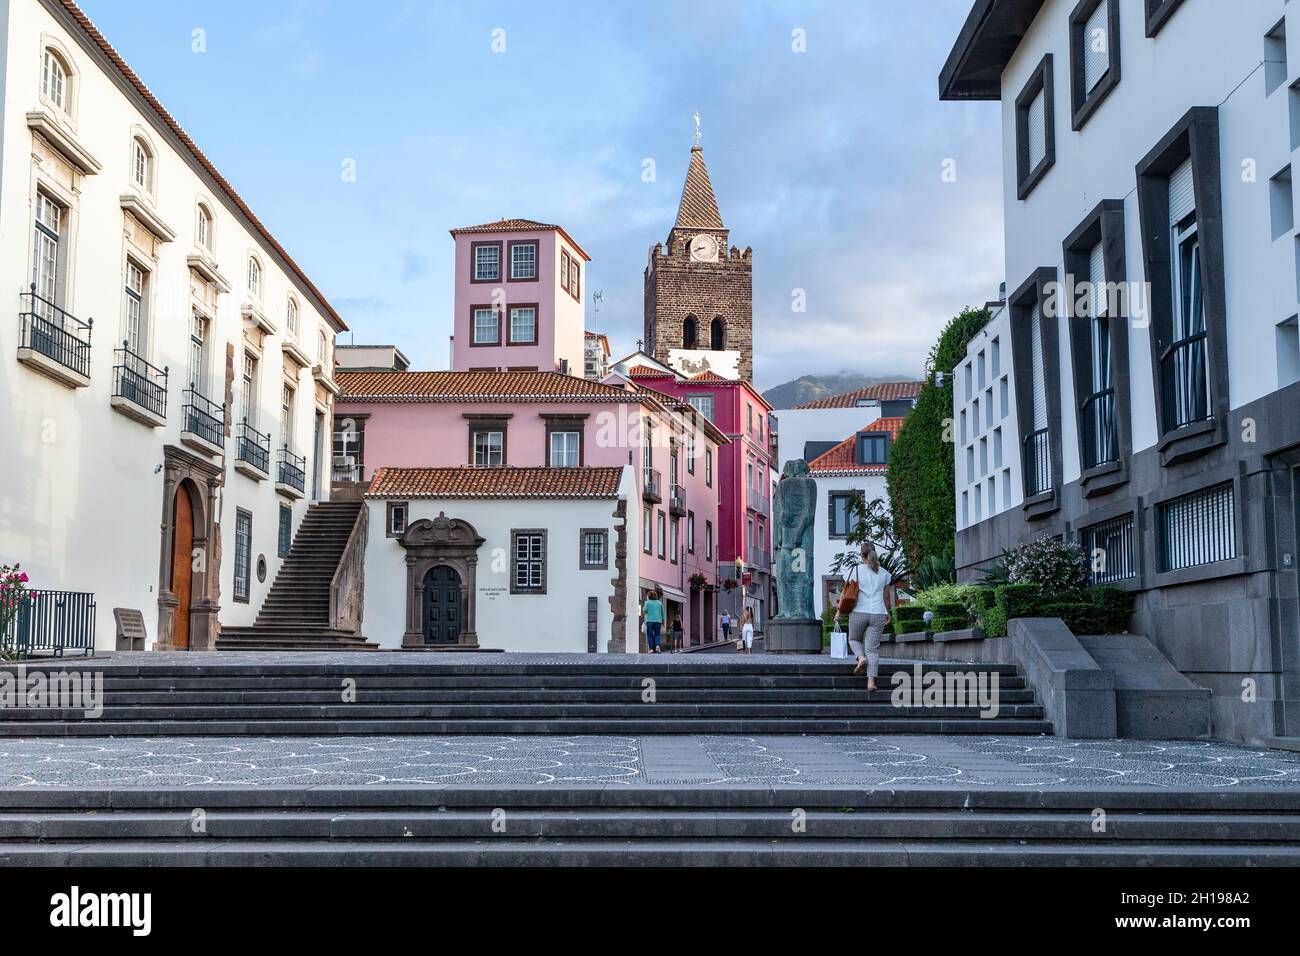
(131, 635)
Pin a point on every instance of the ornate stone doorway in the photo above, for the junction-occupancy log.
(441, 572)
(190, 559)
(443, 599)
(182, 566)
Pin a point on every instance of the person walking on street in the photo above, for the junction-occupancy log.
(747, 630)
(652, 612)
(726, 626)
(867, 619)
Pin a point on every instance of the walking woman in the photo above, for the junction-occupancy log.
(869, 616)
(747, 630)
(652, 612)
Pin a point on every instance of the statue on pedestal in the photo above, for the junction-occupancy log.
(795, 629)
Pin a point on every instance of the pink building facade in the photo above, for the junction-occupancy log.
(519, 298)
(547, 419)
(743, 478)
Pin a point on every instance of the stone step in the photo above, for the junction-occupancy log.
(546, 683)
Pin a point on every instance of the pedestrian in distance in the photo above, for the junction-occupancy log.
(652, 612)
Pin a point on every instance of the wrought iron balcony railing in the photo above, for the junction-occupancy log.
(253, 447)
(652, 485)
(1183, 383)
(203, 417)
(1099, 444)
(51, 622)
(1038, 463)
(291, 469)
(54, 333)
(138, 382)
(677, 500)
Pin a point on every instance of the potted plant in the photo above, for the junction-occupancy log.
(13, 591)
(698, 581)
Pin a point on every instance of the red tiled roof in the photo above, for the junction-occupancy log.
(883, 392)
(360, 386)
(91, 31)
(843, 458)
(642, 371)
(468, 482)
(519, 225)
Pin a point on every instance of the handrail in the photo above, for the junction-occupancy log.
(44, 328)
(136, 380)
(345, 613)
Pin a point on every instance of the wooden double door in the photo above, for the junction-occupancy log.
(443, 600)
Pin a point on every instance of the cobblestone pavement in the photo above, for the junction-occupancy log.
(897, 762)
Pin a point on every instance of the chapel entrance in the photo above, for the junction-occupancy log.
(182, 566)
(442, 606)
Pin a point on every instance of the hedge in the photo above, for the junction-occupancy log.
(909, 618)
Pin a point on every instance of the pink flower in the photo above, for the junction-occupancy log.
(23, 577)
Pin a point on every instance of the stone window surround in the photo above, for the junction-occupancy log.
(582, 549)
(647, 530)
(1085, 102)
(1158, 13)
(566, 422)
(388, 518)
(1039, 79)
(1105, 224)
(1195, 136)
(690, 532)
(1035, 290)
(515, 534)
(509, 265)
(489, 423)
(473, 261)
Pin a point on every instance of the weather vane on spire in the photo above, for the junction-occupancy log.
(697, 127)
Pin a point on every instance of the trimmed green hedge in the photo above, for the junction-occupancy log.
(909, 619)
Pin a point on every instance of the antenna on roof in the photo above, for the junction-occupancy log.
(597, 298)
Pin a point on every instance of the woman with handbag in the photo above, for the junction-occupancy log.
(863, 600)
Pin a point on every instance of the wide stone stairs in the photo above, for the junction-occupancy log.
(558, 825)
(592, 695)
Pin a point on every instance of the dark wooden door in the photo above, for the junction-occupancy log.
(442, 600)
(182, 566)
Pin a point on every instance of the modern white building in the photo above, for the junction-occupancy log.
(857, 467)
(1147, 153)
(516, 559)
(166, 369)
(812, 428)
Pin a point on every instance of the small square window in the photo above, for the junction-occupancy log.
(528, 562)
(595, 549)
(397, 518)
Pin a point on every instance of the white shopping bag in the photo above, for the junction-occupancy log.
(839, 644)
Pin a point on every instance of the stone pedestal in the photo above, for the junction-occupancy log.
(796, 636)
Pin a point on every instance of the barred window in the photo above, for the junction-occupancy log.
(286, 531)
(1109, 547)
(243, 551)
(1198, 529)
(595, 548)
(528, 562)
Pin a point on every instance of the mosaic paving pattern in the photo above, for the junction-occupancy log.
(897, 762)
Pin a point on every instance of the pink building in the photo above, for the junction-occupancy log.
(535, 419)
(744, 476)
(519, 286)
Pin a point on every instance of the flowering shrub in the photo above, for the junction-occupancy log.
(13, 585)
(1052, 565)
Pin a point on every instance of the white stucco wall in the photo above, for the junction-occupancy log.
(826, 548)
(797, 426)
(80, 495)
(987, 476)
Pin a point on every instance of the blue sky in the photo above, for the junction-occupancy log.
(827, 162)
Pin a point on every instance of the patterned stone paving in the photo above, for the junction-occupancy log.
(897, 762)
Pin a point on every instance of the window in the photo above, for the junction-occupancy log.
(286, 414)
(708, 540)
(1099, 408)
(675, 544)
(1109, 549)
(1035, 136)
(1275, 66)
(594, 551)
(691, 333)
(284, 543)
(702, 404)
(575, 284)
(199, 353)
(487, 326)
(718, 335)
(647, 530)
(487, 261)
(873, 448)
(248, 390)
(254, 279)
(528, 562)
(749, 419)
(349, 448)
(523, 325)
(1094, 56)
(690, 532)
(1198, 529)
(141, 165)
(565, 449)
(1158, 12)
(690, 453)
(1182, 367)
(203, 229)
(54, 81)
(291, 318)
(523, 260)
(47, 257)
(243, 553)
(708, 467)
(133, 309)
(660, 531)
(322, 349)
(840, 508)
(395, 523)
(489, 447)
(1281, 203)
(564, 270)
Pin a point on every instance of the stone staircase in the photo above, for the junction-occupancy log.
(684, 694)
(296, 612)
(560, 825)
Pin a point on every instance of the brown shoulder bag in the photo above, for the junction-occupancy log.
(849, 596)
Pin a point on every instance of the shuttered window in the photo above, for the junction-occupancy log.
(1182, 198)
(1096, 46)
(1036, 358)
(1037, 129)
(1100, 331)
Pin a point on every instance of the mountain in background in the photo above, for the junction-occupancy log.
(806, 388)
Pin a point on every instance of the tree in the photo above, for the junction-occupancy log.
(921, 482)
(870, 522)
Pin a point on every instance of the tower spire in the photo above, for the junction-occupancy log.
(698, 208)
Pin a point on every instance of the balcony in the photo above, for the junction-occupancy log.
(1183, 376)
(203, 423)
(759, 559)
(758, 502)
(1038, 463)
(139, 389)
(677, 501)
(652, 486)
(291, 473)
(252, 451)
(1099, 442)
(53, 342)
(345, 468)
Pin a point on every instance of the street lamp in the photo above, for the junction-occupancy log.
(740, 580)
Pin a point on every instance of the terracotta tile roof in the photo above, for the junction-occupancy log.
(698, 208)
(643, 371)
(883, 392)
(519, 225)
(843, 458)
(362, 386)
(91, 31)
(467, 482)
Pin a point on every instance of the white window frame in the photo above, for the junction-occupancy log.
(517, 311)
(530, 263)
(490, 447)
(203, 227)
(198, 359)
(480, 263)
(254, 279)
(56, 81)
(135, 329)
(47, 253)
(567, 451)
(480, 314)
(141, 164)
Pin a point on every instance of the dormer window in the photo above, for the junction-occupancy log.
(54, 80)
(873, 448)
(141, 165)
(254, 279)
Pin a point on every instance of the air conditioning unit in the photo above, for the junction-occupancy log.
(345, 461)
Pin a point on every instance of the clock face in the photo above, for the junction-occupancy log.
(704, 248)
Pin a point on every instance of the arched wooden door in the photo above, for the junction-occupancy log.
(442, 602)
(182, 566)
